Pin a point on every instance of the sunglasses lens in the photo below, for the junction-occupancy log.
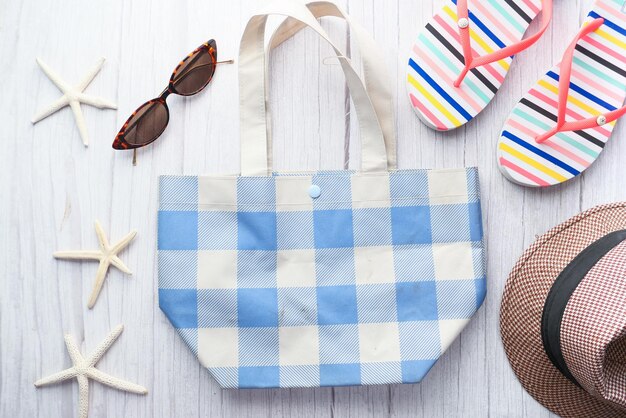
(147, 124)
(194, 73)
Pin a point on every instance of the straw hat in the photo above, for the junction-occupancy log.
(563, 316)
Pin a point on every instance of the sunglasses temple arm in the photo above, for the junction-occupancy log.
(226, 62)
(135, 156)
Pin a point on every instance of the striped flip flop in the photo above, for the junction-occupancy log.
(562, 124)
(461, 58)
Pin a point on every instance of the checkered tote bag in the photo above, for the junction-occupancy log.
(325, 278)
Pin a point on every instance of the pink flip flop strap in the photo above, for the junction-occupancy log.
(472, 61)
(564, 85)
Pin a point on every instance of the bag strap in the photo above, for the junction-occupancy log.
(375, 72)
(252, 95)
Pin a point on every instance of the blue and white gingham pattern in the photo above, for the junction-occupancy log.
(367, 284)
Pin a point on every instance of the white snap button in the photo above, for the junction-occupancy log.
(315, 191)
(601, 120)
(463, 23)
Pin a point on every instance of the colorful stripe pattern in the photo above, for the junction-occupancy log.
(436, 60)
(598, 85)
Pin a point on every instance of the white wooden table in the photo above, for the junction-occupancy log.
(52, 189)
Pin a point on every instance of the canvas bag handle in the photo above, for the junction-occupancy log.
(375, 73)
(252, 95)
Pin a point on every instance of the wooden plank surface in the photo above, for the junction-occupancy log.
(52, 189)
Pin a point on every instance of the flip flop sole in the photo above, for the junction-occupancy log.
(436, 60)
(598, 85)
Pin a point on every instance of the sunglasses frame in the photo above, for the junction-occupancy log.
(120, 142)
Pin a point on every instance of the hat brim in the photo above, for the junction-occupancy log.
(522, 305)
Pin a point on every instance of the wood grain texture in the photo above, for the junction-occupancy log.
(52, 189)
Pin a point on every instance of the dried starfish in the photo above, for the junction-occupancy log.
(73, 96)
(107, 255)
(84, 369)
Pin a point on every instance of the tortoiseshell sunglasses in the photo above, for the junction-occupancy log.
(149, 121)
